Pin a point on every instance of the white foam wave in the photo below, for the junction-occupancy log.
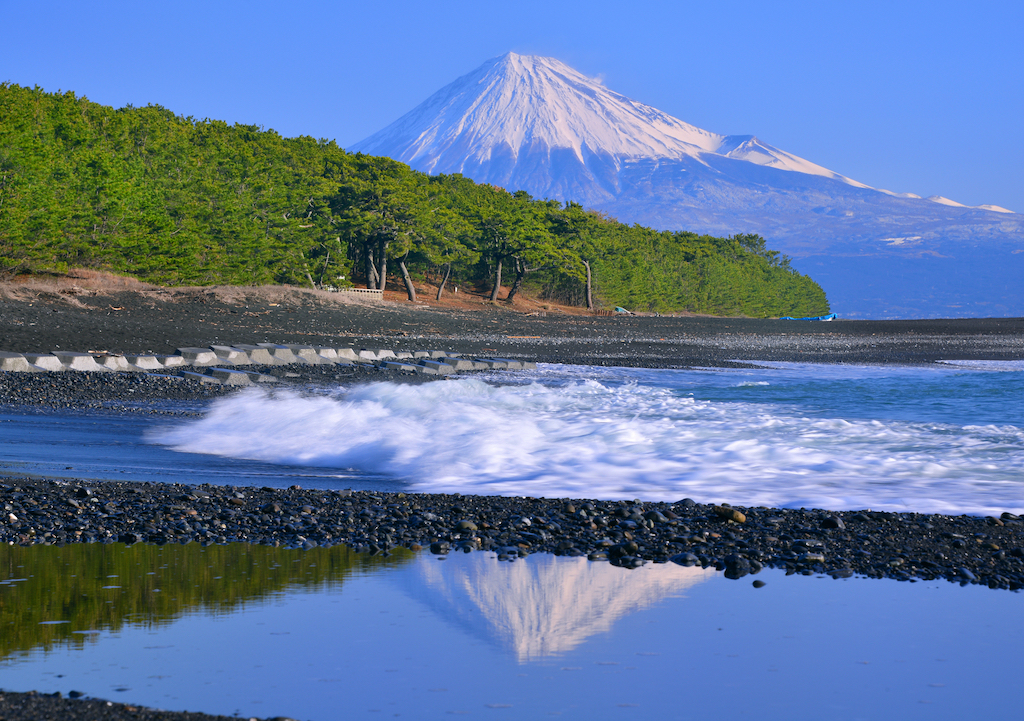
(987, 365)
(593, 440)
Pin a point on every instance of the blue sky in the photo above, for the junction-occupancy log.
(922, 97)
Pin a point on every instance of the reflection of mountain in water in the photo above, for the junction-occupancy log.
(543, 605)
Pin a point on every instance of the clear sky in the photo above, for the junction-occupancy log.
(921, 97)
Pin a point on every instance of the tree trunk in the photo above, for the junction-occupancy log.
(408, 281)
(324, 270)
(590, 295)
(305, 269)
(371, 271)
(382, 274)
(517, 284)
(497, 282)
(447, 273)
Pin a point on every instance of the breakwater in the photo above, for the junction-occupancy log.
(242, 364)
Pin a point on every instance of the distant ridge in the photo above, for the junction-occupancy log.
(533, 123)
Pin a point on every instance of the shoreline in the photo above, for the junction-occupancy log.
(906, 546)
(161, 320)
(740, 540)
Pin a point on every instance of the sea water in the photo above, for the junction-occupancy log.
(946, 438)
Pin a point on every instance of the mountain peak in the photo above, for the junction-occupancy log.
(502, 122)
(518, 102)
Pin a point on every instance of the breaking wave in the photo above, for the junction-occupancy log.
(585, 438)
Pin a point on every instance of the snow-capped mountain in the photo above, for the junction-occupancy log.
(533, 123)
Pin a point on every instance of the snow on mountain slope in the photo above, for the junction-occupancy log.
(518, 104)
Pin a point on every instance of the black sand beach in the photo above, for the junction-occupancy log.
(161, 320)
(962, 549)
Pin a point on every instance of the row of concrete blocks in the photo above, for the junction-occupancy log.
(214, 358)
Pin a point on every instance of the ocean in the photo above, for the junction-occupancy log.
(943, 438)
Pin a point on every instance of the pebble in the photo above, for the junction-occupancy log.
(872, 544)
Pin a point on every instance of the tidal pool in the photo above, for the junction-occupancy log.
(327, 634)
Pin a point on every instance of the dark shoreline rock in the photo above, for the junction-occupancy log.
(903, 546)
(144, 392)
(33, 706)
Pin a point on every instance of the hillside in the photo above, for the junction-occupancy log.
(175, 201)
(531, 122)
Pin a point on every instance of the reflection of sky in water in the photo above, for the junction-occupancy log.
(558, 636)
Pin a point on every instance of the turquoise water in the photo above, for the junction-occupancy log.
(943, 438)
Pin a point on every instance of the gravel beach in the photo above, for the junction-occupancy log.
(740, 541)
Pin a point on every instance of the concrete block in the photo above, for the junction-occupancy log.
(396, 366)
(308, 354)
(17, 363)
(114, 363)
(403, 355)
(529, 365)
(421, 354)
(461, 364)
(172, 361)
(328, 354)
(75, 361)
(199, 377)
(437, 367)
(199, 356)
(512, 365)
(230, 354)
(230, 376)
(372, 355)
(347, 354)
(257, 355)
(257, 377)
(145, 362)
(492, 363)
(45, 361)
(281, 354)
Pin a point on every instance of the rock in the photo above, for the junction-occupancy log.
(966, 574)
(736, 567)
(623, 549)
(685, 559)
(440, 548)
(832, 522)
(758, 583)
(729, 514)
(465, 526)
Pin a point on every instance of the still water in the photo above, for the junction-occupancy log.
(327, 634)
